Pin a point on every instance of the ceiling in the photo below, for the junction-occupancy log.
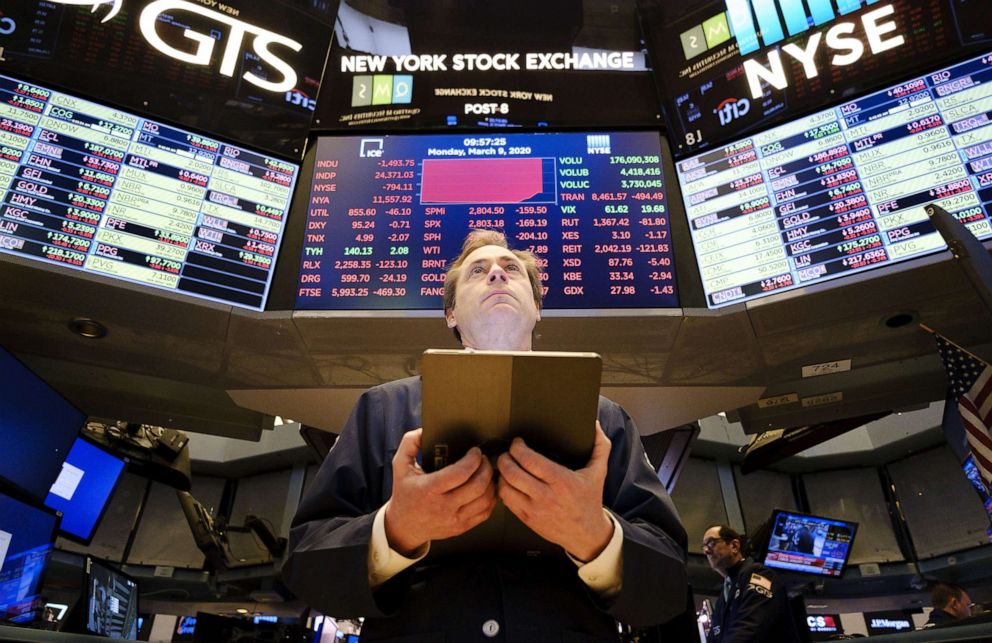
(176, 362)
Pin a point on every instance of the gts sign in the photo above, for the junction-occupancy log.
(877, 25)
(202, 53)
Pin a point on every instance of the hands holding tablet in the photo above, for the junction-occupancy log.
(561, 505)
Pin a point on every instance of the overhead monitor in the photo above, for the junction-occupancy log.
(30, 407)
(466, 65)
(88, 478)
(111, 601)
(27, 534)
(101, 190)
(386, 213)
(843, 190)
(809, 544)
(731, 67)
(242, 70)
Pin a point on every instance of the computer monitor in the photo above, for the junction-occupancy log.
(89, 475)
(111, 601)
(26, 537)
(809, 544)
(30, 407)
(185, 627)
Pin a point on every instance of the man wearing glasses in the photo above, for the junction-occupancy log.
(753, 606)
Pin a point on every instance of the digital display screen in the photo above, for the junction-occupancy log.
(89, 475)
(112, 602)
(471, 65)
(844, 189)
(809, 544)
(386, 213)
(814, 52)
(28, 406)
(243, 70)
(975, 478)
(103, 191)
(888, 622)
(823, 623)
(26, 537)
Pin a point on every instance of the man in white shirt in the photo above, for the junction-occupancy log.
(361, 539)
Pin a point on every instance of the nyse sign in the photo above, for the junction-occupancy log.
(877, 24)
(262, 41)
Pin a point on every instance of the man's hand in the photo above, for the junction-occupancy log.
(560, 505)
(433, 506)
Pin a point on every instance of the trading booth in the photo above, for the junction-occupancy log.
(221, 222)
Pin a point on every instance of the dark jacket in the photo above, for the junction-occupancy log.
(757, 611)
(531, 599)
(939, 617)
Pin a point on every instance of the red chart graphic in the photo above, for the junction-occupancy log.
(487, 181)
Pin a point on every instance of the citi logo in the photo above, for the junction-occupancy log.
(743, 12)
(731, 109)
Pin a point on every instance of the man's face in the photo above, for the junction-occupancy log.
(720, 554)
(494, 304)
(960, 606)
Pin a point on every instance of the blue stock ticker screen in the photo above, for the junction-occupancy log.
(844, 189)
(100, 190)
(386, 214)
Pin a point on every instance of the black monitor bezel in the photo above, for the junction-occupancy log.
(774, 517)
(88, 563)
(5, 481)
(57, 516)
(687, 277)
(120, 476)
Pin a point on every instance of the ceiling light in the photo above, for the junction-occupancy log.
(88, 328)
(241, 610)
(899, 320)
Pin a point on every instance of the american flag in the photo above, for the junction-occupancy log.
(971, 382)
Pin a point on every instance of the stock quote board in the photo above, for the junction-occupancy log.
(110, 193)
(844, 189)
(387, 213)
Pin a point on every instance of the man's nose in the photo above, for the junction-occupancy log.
(497, 273)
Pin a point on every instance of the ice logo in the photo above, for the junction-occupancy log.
(115, 6)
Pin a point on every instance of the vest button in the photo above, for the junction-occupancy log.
(490, 628)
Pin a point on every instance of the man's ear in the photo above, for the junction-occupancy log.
(449, 317)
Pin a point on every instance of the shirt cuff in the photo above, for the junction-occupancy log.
(385, 562)
(604, 573)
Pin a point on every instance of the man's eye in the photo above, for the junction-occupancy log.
(476, 270)
(513, 266)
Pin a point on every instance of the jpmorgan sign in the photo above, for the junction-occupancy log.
(878, 26)
(202, 51)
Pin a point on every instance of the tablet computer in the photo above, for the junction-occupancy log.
(487, 398)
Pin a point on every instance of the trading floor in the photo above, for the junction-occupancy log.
(760, 228)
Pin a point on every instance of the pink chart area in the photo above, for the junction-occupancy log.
(481, 180)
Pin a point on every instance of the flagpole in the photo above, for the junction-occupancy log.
(960, 348)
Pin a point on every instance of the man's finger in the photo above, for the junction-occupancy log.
(534, 463)
(457, 474)
(475, 486)
(600, 457)
(515, 500)
(514, 474)
(409, 447)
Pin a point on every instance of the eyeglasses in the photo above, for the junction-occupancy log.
(711, 543)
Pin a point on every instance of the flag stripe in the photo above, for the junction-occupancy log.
(973, 427)
(970, 381)
(981, 393)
